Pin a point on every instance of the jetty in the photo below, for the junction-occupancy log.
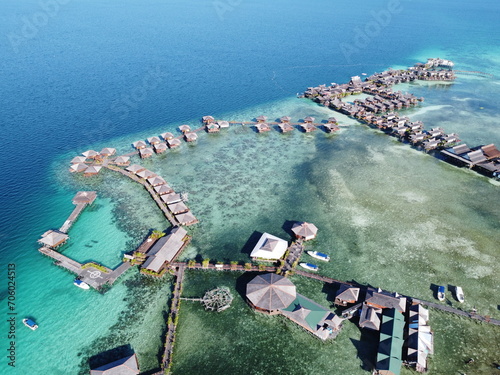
(82, 199)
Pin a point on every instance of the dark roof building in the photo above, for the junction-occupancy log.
(165, 250)
(124, 366)
(346, 294)
(270, 292)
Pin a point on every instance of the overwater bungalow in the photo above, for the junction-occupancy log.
(208, 119)
(138, 145)
(332, 120)
(163, 189)
(304, 231)
(269, 247)
(262, 127)
(330, 127)
(135, 168)
(270, 292)
(285, 127)
(160, 147)
(122, 160)
(156, 181)
(124, 366)
(308, 127)
(178, 208)
(285, 119)
(383, 300)
(78, 168)
(431, 144)
(90, 154)
(154, 140)
(78, 159)
(261, 118)
(171, 198)
(491, 152)
(185, 128)
(145, 174)
(167, 136)
(84, 197)
(165, 250)
(108, 151)
(190, 137)
(186, 218)
(173, 143)
(309, 120)
(92, 170)
(212, 128)
(53, 238)
(146, 152)
(346, 294)
(223, 124)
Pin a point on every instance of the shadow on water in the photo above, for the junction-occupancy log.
(242, 281)
(109, 356)
(287, 227)
(252, 241)
(367, 347)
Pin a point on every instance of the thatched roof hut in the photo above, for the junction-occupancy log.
(262, 127)
(124, 366)
(53, 238)
(305, 231)
(90, 154)
(186, 218)
(160, 147)
(207, 119)
(92, 170)
(190, 137)
(223, 124)
(178, 208)
(212, 128)
(108, 151)
(139, 144)
(185, 128)
(309, 119)
(285, 119)
(261, 118)
(78, 159)
(156, 181)
(135, 168)
(172, 143)
(154, 140)
(270, 292)
(285, 127)
(346, 294)
(79, 167)
(146, 152)
(87, 197)
(171, 198)
(163, 189)
(145, 174)
(122, 160)
(166, 136)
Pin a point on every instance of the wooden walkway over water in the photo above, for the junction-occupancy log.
(170, 217)
(173, 318)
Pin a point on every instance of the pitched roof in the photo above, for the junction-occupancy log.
(93, 169)
(347, 293)
(124, 366)
(53, 238)
(78, 159)
(90, 154)
(370, 317)
(84, 197)
(108, 151)
(191, 136)
(135, 168)
(270, 292)
(171, 198)
(163, 189)
(185, 218)
(165, 249)
(269, 247)
(184, 128)
(177, 208)
(139, 144)
(166, 136)
(145, 173)
(122, 159)
(173, 142)
(305, 312)
(304, 229)
(156, 180)
(79, 167)
(383, 300)
(154, 140)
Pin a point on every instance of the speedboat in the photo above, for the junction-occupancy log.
(318, 255)
(309, 266)
(460, 294)
(30, 324)
(441, 294)
(81, 284)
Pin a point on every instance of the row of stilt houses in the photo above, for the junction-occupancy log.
(378, 110)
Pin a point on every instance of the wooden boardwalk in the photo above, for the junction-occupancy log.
(150, 190)
(72, 218)
(295, 251)
(171, 325)
(226, 267)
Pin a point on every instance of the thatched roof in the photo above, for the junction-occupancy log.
(146, 173)
(135, 168)
(271, 292)
(154, 140)
(78, 159)
(207, 118)
(90, 154)
(79, 167)
(122, 160)
(124, 366)
(163, 189)
(285, 119)
(185, 128)
(53, 238)
(146, 152)
(156, 180)
(173, 143)
(108, 151)
(171, 198)
(178, 208)
(309, 119)
(347, 293)
(190, 137)
(186, 218)
(93, 169)
(166, 136)
(304, 230)
(261, 118)
(139, 144)
(223, 124)
(84, 197)
(160, 147)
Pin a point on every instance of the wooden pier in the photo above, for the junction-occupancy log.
(294, 253)
(170, 217)
(82, 199)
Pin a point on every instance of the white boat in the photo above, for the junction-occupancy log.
(460, 294)
(81, 284)
(441, 294)
(309, 266)
(318, 255)
(30, 324)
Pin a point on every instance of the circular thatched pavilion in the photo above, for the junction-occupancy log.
(270, 292)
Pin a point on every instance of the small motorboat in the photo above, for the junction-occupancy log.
(309, 266)
(441, 294)
(81, 284)
(30, 324)
(460, 294)
(318, 255)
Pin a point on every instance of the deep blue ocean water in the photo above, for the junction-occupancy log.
(79, 74)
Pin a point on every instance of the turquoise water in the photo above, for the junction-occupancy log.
(388, 215)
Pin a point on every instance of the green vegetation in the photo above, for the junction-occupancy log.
(157, 234)
(96, 266)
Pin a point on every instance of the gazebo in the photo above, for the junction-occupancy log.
(108, 151)
(90, 154)
(190, 137)
(185, 128)
(53, 238)
(268, 293)
(172, 143)
(166, 136)
(124, 366)
(305, 231)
